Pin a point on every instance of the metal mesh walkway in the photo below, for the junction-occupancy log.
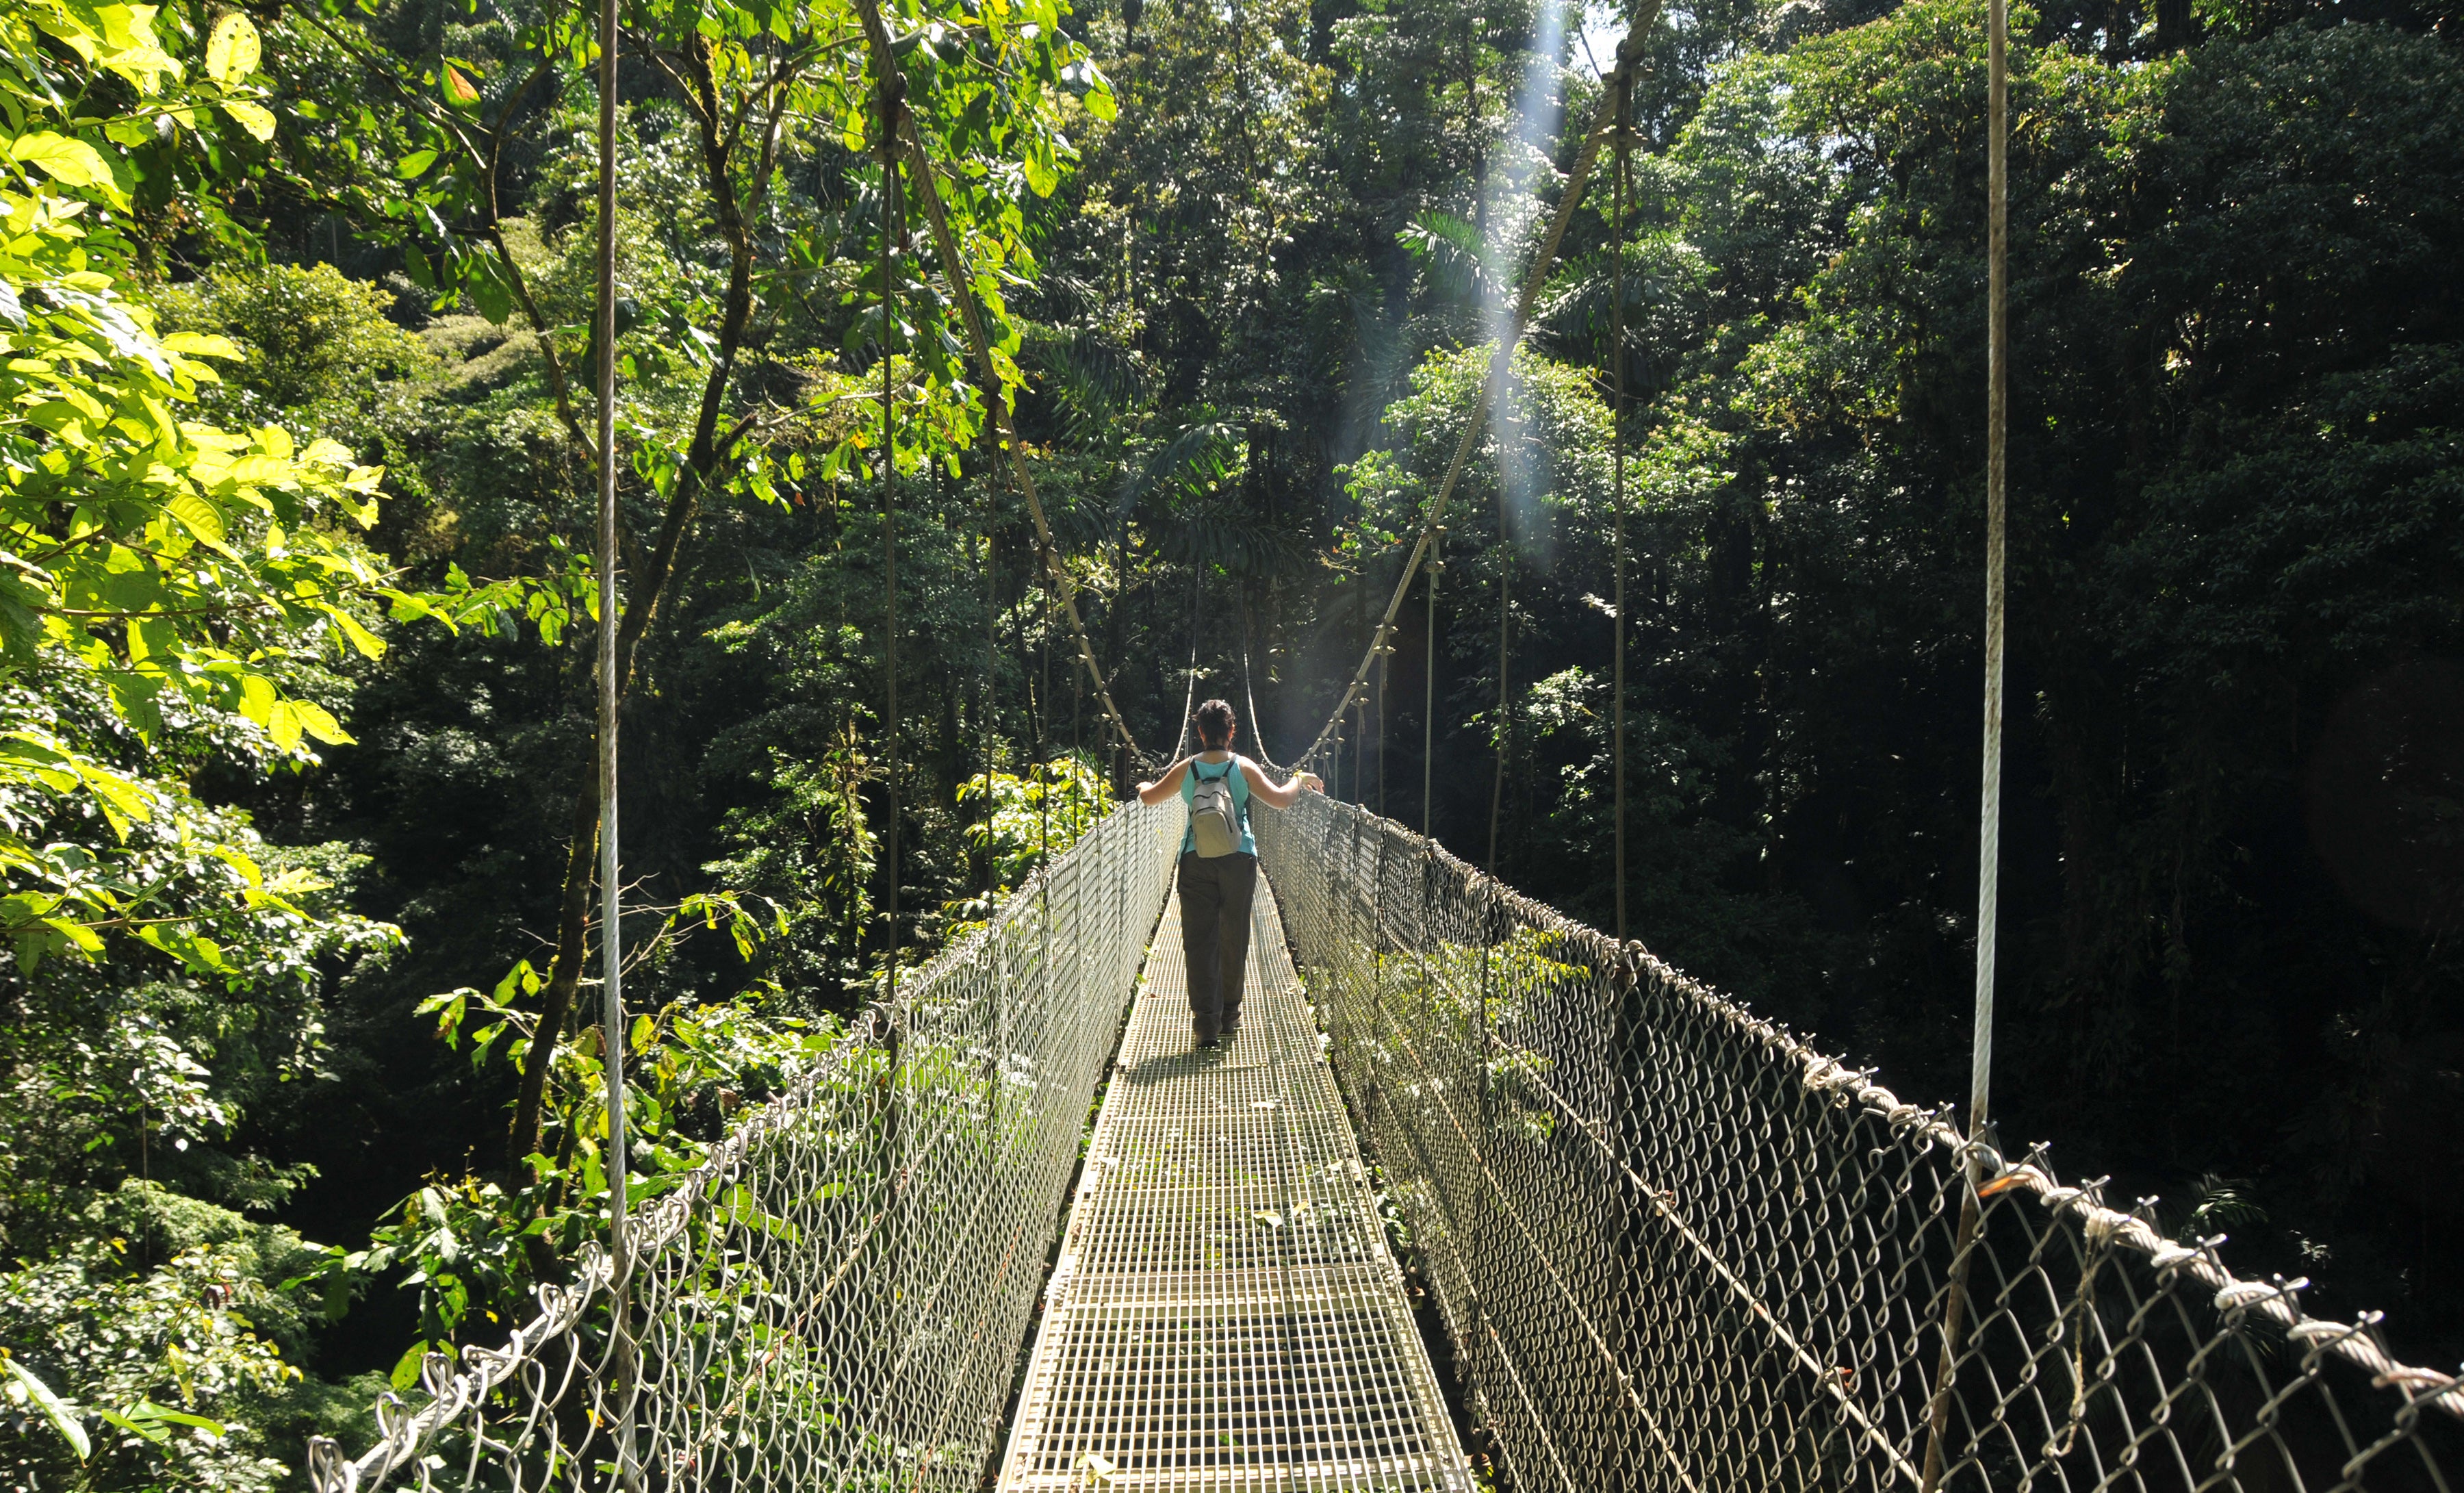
(1225, 1313)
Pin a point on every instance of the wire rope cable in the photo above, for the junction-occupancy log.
(1504, 726)
(1429, 681)
(1189, 695)
(890, 86)
(992, 669)
(1619, 190)
(1989, 838)
(1385, 668)
(1249, 693)
(1044, 739)
(611, 886)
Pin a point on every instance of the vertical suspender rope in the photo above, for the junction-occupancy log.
(1988, 853)
(1988, 847)
(1189, 697)
(611, 942)
(1505, 725)
(1250, 690)
(891, 86)
(1361, 752)
(1617, 446)
(1044, 741)
(992, 669)
(1429, 679)
(1385, 666)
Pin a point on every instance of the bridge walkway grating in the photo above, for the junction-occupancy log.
(1225, 1313)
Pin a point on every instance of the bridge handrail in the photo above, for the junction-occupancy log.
(1021, 1012)
(1649, 1255)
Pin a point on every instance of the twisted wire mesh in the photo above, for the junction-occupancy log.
(838, 1295)
(1678, 1249)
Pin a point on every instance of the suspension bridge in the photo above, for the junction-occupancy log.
(1471, 1167)
(1660, 1243)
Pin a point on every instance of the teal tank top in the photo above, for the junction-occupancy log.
(1229, 767)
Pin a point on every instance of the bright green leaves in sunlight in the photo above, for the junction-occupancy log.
(233, 51)
(163, 581)
(231, 55)
(158, 101)
(70, 162)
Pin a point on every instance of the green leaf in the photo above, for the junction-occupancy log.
(370, 645)
(406, 1370)
(256, 700)
(71, 163)
(284, 723)
(63, 1415)
(146, 1410)
(201, 344)
(123, 803)
(196, 516)
(151, 1433)
(414, 165)
(233, 51)
(319, 722)
(1041, 177)
(255, 119)
(493, 297)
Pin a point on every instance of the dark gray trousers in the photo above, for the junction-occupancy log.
(1214, 897)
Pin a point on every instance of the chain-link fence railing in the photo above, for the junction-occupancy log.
(838, 1297)
(1677, 1249)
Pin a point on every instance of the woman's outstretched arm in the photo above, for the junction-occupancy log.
(1165, 787)
(1273, 797)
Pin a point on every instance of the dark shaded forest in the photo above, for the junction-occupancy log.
(298, 629)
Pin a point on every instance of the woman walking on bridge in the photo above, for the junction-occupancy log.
(1219, 864)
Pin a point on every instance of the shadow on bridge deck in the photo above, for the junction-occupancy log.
(1225, 1313)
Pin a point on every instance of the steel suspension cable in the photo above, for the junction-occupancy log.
(1044, 739)
(928, 177)
(1988, 849)
(1629, 57)
(992, 669)
(1429, 679)
(1619, 190)
(892, 87)
(1249, 693)
(611, 928)
(1505, 726)
(1189, 697)
(1988, 843)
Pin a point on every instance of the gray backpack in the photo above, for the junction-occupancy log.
(1214, 818)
